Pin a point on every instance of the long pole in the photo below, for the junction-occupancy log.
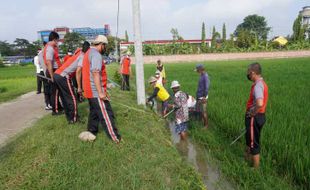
(138, 52)
(116, 36)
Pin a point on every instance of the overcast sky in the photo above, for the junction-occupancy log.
(23, 18)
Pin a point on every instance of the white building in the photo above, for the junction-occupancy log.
(305, 13)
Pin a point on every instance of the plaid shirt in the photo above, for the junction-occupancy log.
(180, 103)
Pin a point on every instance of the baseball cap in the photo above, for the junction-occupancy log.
(100, 39)
(199, 66)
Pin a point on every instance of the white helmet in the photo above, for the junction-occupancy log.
(175, 84)
(100, 39)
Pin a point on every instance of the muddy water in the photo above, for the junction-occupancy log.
(198, 157)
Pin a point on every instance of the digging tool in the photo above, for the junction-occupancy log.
(242, 133)
(44, 77)
(165, 116)
(111, 81)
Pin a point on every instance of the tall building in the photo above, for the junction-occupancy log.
(305, 13)
(43, 35)
(62, 31)
(89, 33)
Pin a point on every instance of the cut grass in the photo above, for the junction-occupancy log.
(50, 156)
(16, 81)
(285, 137)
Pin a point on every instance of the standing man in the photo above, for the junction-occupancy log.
(63, 78)
(255, 113)
(161, 93)
(52, 62)
(39, 71)
(181, 113)
(160, 67)
(94, 86)
(46, 84)
(125, 71)
(202, 93)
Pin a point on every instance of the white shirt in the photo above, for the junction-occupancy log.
(191, 102)
(37, 64)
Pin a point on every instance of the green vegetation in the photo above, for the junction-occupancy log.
(72, 41)
(250, 36)
(15, 81)
(285, 137)
(50, 156)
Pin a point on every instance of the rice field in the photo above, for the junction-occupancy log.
(285, 137)
(16, 80)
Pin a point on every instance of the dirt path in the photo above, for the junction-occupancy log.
(19, 114)
(225, 56)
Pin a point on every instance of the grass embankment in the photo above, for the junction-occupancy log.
(16, 80)
(285, 138)
(50, 156)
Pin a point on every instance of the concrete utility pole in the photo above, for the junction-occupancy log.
(138, 52)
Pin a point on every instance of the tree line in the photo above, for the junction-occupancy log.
(250, 35)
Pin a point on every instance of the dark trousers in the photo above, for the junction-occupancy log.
(55, 94)
(69, 97)
(39, 82)
(79, 97)
(47, 92)
(254, 126)
(125, 82)
(100, 112)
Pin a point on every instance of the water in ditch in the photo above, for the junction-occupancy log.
(198, 157)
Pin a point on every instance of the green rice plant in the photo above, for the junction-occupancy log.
(286, 135)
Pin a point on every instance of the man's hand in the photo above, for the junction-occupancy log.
(251, 112)
(79, 90)
(103, 96)
(171, 106)
(203, 100)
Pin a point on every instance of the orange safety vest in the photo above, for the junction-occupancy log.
(251, 98)
(69, 61)
(56, 56)
(86, 76)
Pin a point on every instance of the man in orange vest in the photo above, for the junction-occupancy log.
(94, 86)
(52, 62)
(66, 57)
(255, 113)
(63, 78)
(125, 71)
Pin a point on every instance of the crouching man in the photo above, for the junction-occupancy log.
(161, 93)
(94, 86)
(63, 78)
(181, 107)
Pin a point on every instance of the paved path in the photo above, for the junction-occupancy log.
(19, 114)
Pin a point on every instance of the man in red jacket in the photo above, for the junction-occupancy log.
(125, 71)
